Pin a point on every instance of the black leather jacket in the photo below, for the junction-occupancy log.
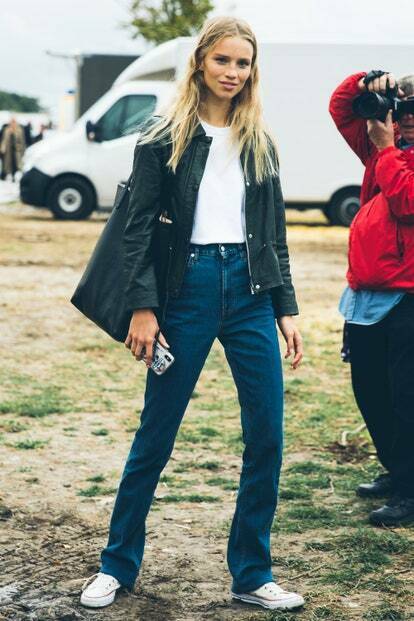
(155, 190)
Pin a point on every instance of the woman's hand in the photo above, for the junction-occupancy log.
(293, 339)
(141, 335)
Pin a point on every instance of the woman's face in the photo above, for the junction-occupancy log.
(227, 66)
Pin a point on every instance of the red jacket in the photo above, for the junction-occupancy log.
(381, 241)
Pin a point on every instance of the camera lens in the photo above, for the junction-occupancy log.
(372, 106)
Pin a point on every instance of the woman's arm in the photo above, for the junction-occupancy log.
(283, 297)
(141, 284)
(143, 211)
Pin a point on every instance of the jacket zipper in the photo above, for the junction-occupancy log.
(400, 242)
(246, 185)
(190, 165)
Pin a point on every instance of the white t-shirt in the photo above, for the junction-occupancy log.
(219, 214)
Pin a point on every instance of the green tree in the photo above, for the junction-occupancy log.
(166, 19)
(19, 103)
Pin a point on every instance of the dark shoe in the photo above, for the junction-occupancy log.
(398, 511)
(380, 487)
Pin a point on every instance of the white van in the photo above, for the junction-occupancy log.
(75, 173)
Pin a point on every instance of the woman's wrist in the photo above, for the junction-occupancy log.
(142, 311)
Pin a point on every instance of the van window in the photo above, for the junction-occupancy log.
(126, 115)
(137, 109)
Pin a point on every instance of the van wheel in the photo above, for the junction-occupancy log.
(71, 198)
(343, 207)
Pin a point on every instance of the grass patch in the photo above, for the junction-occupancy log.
(327, 612)
(234, 441)
(224, 483)
(299, 518)
(363, 552)
(13, 426)
(313, 516)
(100, 432)
(29, 444)
(191, 465)
(96, 490)
(292, 562)
(309, 467)
(317, 481)
(197, 435)
(97, 478)
(97, 346)
(168, 479)
(385, 583)
(319, 546)
(188, 498)
(369, 546)
(295, 493)
(385, 612)
(217, 405)
(41, 403)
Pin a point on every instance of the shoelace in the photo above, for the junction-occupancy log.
(99, 576)
(88, 581)
(274, 588)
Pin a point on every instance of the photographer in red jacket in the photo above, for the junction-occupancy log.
(378, 304)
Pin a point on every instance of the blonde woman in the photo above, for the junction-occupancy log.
(209, 164)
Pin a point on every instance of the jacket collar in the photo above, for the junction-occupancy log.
(199, 130)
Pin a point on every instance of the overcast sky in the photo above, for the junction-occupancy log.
(28, 28)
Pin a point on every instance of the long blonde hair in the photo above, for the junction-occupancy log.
(245, 117)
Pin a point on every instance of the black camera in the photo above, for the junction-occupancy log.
(376, 105)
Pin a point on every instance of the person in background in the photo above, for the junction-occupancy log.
(212, 166)
(12, 147)
(378, 304)
(43, 132)
(2, 173)
(28, 134)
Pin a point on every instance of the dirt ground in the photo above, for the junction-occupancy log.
(69, 404)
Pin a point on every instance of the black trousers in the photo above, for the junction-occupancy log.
(382, 368)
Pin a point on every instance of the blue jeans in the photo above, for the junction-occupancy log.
(215, 301)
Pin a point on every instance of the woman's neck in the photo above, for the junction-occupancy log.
(215, 113)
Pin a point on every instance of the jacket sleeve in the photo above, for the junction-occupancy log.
(283, 297)
(352, 128)
(143, 212)
(396, 180)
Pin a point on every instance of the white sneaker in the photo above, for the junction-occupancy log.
(100, 592)
(271, 596)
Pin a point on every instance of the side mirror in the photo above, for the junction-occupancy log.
(93, 132)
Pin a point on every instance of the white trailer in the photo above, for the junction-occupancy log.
(78, 172)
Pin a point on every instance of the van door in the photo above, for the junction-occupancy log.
(110, 157)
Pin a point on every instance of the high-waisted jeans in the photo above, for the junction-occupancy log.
(215, 301)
